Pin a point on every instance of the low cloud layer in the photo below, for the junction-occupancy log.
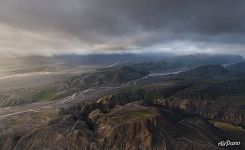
(48, 27)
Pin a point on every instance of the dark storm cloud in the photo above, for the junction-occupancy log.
(85, 26)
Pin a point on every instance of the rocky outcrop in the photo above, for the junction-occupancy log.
(139, 120)
(131, 127)
(120, 129)
(211, 110)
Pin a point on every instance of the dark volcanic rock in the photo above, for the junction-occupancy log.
(207, 109)
(142, 119)
(130, 127)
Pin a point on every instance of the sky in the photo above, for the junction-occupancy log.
(53, 27)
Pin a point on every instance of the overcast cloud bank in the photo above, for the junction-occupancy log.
(50, 27)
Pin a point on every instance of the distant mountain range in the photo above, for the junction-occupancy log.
(148, 62)
(189, 61)
(238, 68)
(95, 59)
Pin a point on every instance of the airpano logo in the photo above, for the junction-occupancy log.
(228, 143)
